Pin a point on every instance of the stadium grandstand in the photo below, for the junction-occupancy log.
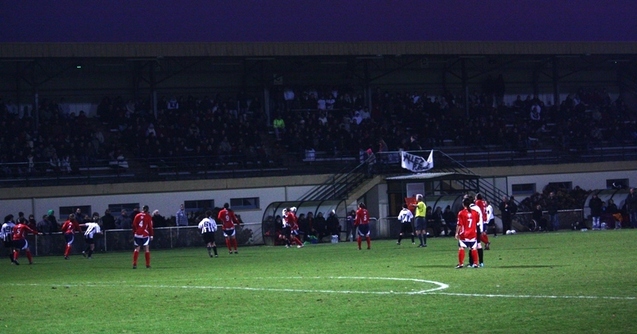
(176, 95)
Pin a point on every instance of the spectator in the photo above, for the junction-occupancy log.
(320, 225)
(333, 226)
(53, 222)
(450, 221)
(552, 206)
(181, 217)
(124, 221)
(538, 218)
(158, 220)
(506, 214)
(108, 221)
(595, 204)
(32, 223)
(631, 207)
(43, 225)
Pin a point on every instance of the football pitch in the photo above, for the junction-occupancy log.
(567, 281)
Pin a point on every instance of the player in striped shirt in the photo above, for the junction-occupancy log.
(405, 217)
(6, 234)
(362, 222)
(208, 227)
(142, 235)
(92, 229)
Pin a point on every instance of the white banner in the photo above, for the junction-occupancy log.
(416, 163)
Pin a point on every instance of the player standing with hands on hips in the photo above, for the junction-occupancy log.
(142, 235)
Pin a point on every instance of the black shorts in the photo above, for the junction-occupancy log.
(208, 237)
(406, 228)
(89, 241)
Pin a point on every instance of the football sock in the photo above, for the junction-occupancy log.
(209, 249)
(424, 237)
(474, 253)
(135, 257)
(228, 245)
(400, 237)
(481, 255)
(470, 258)
(67, 251)
(358, 240)
(11, 255)
(484, 238)
(147, 255)
(461, 256)
(29, 256)
(234, 243)
(214, 249)
(16, 254)
(90, 252)
(369, 242)
(420, 238)
(412, 238)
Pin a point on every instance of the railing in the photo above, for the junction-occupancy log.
(121, 240)
(233, 166)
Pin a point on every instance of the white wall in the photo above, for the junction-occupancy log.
(167, 203)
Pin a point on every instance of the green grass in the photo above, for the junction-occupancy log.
(552, 282)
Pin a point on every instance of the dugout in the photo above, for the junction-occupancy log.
(272, 214)
(617, 195)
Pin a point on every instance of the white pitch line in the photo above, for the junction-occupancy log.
(434, 291)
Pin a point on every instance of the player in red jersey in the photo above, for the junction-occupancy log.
(69, 228)
(362, 222)
(228, 221)
(20, 241)
(142, 235)
(466, 232)
(482, 204)
(294, 227)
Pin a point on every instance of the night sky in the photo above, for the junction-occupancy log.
(314, 21)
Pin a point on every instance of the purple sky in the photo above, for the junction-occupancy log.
(320, 20)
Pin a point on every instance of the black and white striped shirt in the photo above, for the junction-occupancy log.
(208, 225)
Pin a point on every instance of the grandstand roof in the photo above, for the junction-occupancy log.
(252, 28)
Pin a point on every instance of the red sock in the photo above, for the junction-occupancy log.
(135, 256)
(461, 256)
(147, 254)
(234, 244)
(29, 256)
(67, 251)
(229, 245)
(15, 255)
(359, 241)
(484, 238)
(369, 242)
(298, 241)
(474, 254)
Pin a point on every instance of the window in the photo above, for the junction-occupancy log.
(244, 203)
(198, 207)
(523, 189)
(554, 186)
(65, 211)
(116, 209)
(617, 184)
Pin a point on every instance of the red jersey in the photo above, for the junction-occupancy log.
(467, 220)
(293, 221)
(70, 226)
(483, 208)
(227, 218)
(143, 225)
(362, 217)
(20, 231)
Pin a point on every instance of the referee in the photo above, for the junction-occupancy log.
(421, 221)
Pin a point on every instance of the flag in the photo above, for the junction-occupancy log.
(416, 163)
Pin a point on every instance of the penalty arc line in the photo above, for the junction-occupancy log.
(433, 291)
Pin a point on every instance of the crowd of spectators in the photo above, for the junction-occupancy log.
(339, 121)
